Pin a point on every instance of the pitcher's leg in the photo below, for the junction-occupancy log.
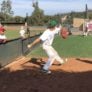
(49, 63)
(57, 57)
(51, 55)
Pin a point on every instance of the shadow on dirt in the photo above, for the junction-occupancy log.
(32, 80)
(37, 61)
(41, 62)
(85, 61)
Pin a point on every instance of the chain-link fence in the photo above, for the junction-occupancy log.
(13, 49)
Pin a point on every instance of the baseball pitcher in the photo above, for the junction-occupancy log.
(47, 39)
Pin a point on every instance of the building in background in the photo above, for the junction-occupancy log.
(78, 22)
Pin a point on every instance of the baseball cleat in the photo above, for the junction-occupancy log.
(46, 71)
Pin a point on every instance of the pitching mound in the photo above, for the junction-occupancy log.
(25, 76)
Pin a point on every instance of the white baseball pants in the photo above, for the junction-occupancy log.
(53, 55)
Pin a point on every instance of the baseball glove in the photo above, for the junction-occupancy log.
(64, 33)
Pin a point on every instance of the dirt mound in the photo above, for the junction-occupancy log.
(25, 76)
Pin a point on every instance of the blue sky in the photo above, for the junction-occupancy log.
(50, 7)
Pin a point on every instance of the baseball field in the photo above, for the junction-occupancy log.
(73, 46)
(75, 75)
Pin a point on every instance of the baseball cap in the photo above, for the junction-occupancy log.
(52, 23)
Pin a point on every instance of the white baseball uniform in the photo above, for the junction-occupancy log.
(22, 32)
(47, 39)
(3, 37)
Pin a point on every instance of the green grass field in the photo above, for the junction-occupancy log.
(73, 46)
(12, 34)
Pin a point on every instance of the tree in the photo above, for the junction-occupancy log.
(37, 15)
(6, 8)
(18, 19)
(86, 12)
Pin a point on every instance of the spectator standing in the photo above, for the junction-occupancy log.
(22, 32)
(3, 38)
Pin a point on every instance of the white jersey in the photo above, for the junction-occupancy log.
(3, 37)
(22, 33)
(48, 36)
